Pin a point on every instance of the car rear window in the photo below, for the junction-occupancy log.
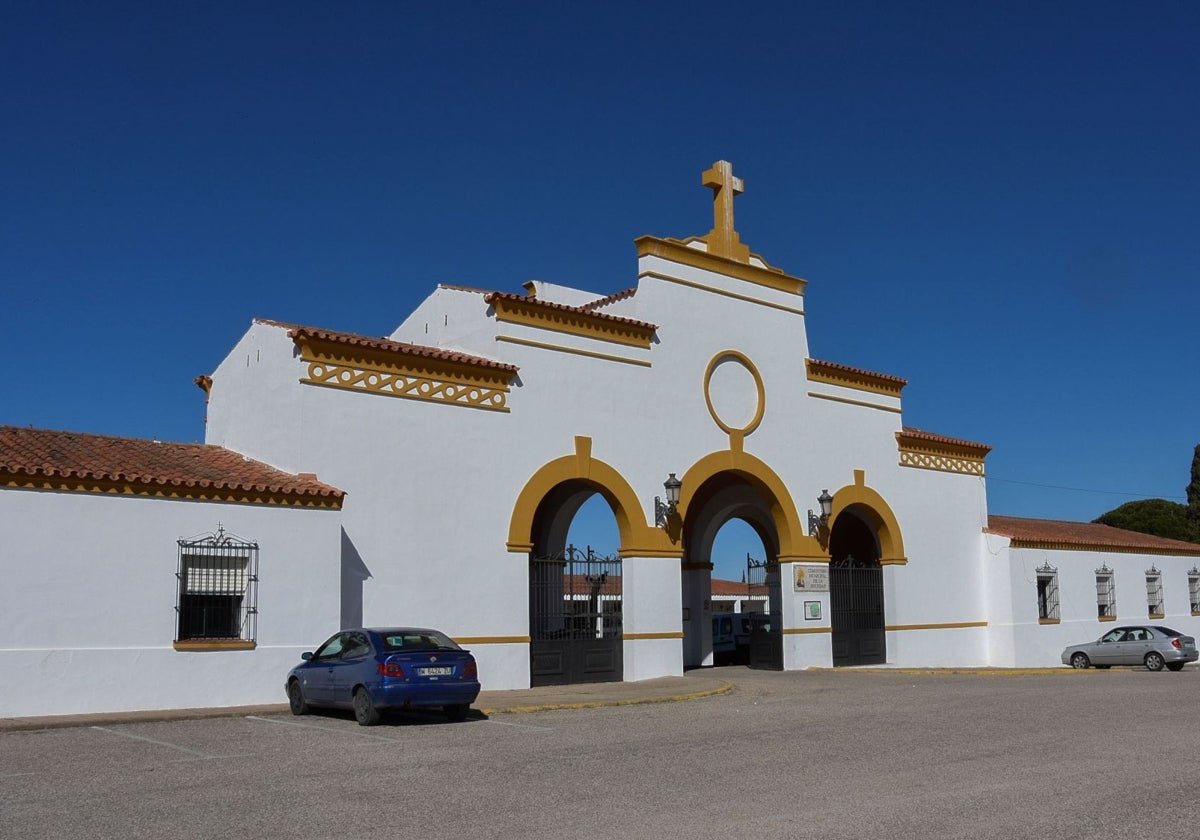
(398, 641)
(1168, 632)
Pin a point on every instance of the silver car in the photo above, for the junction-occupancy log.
(1149, 645)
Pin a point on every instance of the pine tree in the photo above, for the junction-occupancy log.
(1193, 492)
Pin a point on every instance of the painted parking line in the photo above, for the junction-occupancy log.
(520, 725)
(146, 740)
(330, 729)
(15, 775)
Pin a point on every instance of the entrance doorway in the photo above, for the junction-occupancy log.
(856, 593)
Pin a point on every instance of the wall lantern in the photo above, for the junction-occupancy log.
(664, 511)
(816, 523)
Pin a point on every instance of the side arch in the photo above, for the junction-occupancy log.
(794, 542)
(637, 537)
(868, 503)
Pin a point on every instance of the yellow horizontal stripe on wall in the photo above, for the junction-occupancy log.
(958, 625)
(638, 637)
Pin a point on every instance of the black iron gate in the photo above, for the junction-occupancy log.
(766, 628)
(856, 599)
(575, 618)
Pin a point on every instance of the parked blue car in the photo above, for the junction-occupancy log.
(374, 670)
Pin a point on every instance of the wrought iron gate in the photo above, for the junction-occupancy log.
(856, 600)
(766, 629)
(575, 618)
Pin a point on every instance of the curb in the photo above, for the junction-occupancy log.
(724, 688)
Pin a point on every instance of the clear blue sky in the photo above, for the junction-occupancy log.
(998, 202)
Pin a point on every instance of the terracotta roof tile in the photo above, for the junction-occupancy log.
(887, 377)
(562, 307)
(733, 587)
(605, 301)
(1051, 533)
(42, 453)
(930, 437)
(296, 331)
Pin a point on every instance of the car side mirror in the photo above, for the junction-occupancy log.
(307, 655)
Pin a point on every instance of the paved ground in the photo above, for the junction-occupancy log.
(847, 754)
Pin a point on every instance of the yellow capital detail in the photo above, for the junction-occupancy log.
(723, 238)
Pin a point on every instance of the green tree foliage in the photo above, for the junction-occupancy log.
(1193, 491)
(1153, 516)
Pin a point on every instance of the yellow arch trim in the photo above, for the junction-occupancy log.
(794, 543)
(878, 513)
(638, 539)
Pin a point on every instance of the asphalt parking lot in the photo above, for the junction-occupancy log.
(845, 754)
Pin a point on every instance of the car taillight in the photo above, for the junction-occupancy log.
(391, 669)
(1175, 643)
(471, 670)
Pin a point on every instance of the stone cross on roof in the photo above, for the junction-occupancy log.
(723, 238)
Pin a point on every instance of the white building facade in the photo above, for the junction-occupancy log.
(465, 442)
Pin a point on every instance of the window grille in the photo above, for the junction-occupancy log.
(1154, 593)
(217, 588)
(1194, 590)
(1106, 593)
(1047, 593)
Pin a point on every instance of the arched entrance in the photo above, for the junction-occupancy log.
(856, 590)
(575, 597)
(721, 498)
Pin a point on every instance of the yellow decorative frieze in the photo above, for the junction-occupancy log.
(860, 380)
(571, 320)
(933, 452)
(395, 369)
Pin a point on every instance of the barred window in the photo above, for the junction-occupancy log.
(1106, 594)
(1047, 594)
(1194, 590)
(1154, 593)
(217, 589)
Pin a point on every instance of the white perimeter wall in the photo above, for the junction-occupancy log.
(87, 611)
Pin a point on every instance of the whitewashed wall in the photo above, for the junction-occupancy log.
(87, 612)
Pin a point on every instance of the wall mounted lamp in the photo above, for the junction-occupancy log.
(664, 511)
(816, 523)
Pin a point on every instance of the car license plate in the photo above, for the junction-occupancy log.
(437, 671)
(1188, 645)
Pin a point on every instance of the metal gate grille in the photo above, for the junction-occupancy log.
(766, 629)
(856, 601)
(575, 618)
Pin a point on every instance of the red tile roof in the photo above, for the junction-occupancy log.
(1083, 536)
(733, 587)
(930, 437)
(605, 301)
(386, 345)
(562, 307)
(859, 372)
(45, 459)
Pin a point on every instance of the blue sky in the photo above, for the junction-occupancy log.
(998, 202)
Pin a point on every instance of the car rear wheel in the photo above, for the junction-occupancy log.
(1080, 661)
(364, 708)
(1175, 666)
(456, 712)
(1154, 661)
(296, 698)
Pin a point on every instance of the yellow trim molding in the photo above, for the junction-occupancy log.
(870, 505)
(395, 373)
(640, 637)
(215, 644)
(492, 640)
(860, 380)
(744, 361)
(944, 456)
(638, 538)
(531, 312)
(861, 403)
(1049, 621)
(561, 349)
(167, 491)
(677, 252)
(795, 545)
(1157, 616)
(796, 631)
(667, 278)
(1107, 618)
(955, 625)
(1053, 545)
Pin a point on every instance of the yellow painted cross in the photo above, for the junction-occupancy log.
(723, 238)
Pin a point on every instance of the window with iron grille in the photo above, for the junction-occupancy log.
(217, 589)
(1154, 593)
(1047, 594)
(1106, 594)
(1194, 590)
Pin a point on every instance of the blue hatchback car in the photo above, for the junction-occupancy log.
(375, 670)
